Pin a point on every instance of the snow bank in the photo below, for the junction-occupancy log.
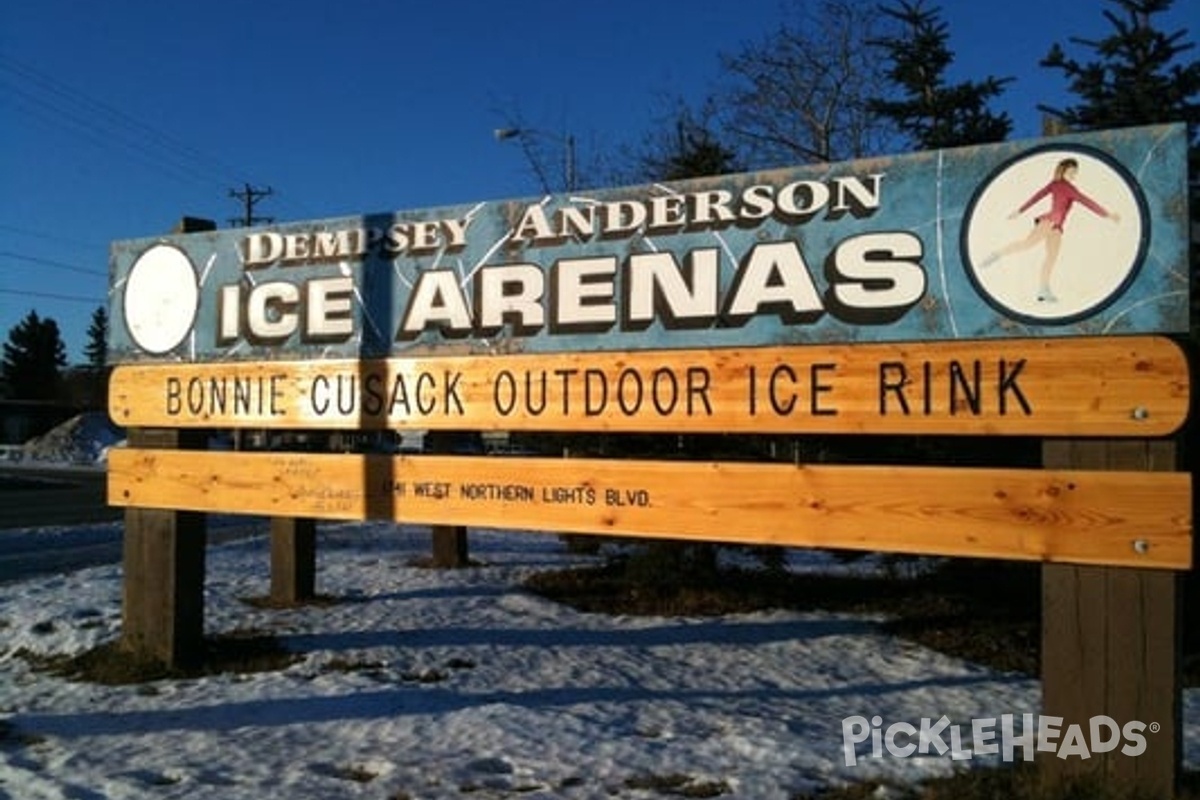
(83, 440)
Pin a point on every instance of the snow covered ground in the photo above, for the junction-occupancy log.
(437, 684)
(430, 684)
(442, 683)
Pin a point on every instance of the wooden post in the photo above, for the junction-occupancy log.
(450, 547)
(450, 550)
(1112, 641)
(293, 560)
(293, 557)
(162, 609)
(162, 606)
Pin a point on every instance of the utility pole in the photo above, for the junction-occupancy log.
(249, 197)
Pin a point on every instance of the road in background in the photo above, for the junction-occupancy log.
(32, 496)
(56, 519)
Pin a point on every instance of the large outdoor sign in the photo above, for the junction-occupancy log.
(1024, 288)
(1078, 235)
(1014, 289)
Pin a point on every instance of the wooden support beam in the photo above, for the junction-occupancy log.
(450, 547)
(162, 606)
(162, 609)
(1112, 641)
(293, 560)
(1126, 518)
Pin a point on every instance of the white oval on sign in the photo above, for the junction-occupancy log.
(161, 299)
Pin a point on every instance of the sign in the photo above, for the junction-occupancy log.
(1009, 289)
(1097, 386)
(1079, 235)
(1124, 518)
(1003, 289)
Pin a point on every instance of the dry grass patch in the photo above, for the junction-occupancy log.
(995, 622)
(678, 785)
(240, 652)
(268, 603)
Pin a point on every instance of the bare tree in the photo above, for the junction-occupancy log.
(802, 94)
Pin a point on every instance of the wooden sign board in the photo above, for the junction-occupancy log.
(1115, 386)
(1140, 519)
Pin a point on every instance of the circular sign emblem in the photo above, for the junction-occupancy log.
(1055, 234)
(161, 299)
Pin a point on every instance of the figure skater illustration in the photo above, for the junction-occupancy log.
(1048, 227)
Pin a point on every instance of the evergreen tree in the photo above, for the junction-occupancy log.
(681, 145)
(931, 113)
(33, 357)
(96, 373)
(96, 350)
(697, 154)
(1137, 75)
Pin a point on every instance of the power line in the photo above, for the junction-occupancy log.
(302, 211)
(51, 296)
(50, 237)
(106, 140)
(52, 103)
(95, 116)
(46, 262)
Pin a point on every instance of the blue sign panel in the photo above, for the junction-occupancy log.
(1079, 235)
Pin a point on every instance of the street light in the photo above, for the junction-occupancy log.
(525, 137)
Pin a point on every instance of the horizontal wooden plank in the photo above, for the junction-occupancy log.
(1121, 518)
(1112, 386)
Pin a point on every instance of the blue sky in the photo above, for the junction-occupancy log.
(118, 118)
